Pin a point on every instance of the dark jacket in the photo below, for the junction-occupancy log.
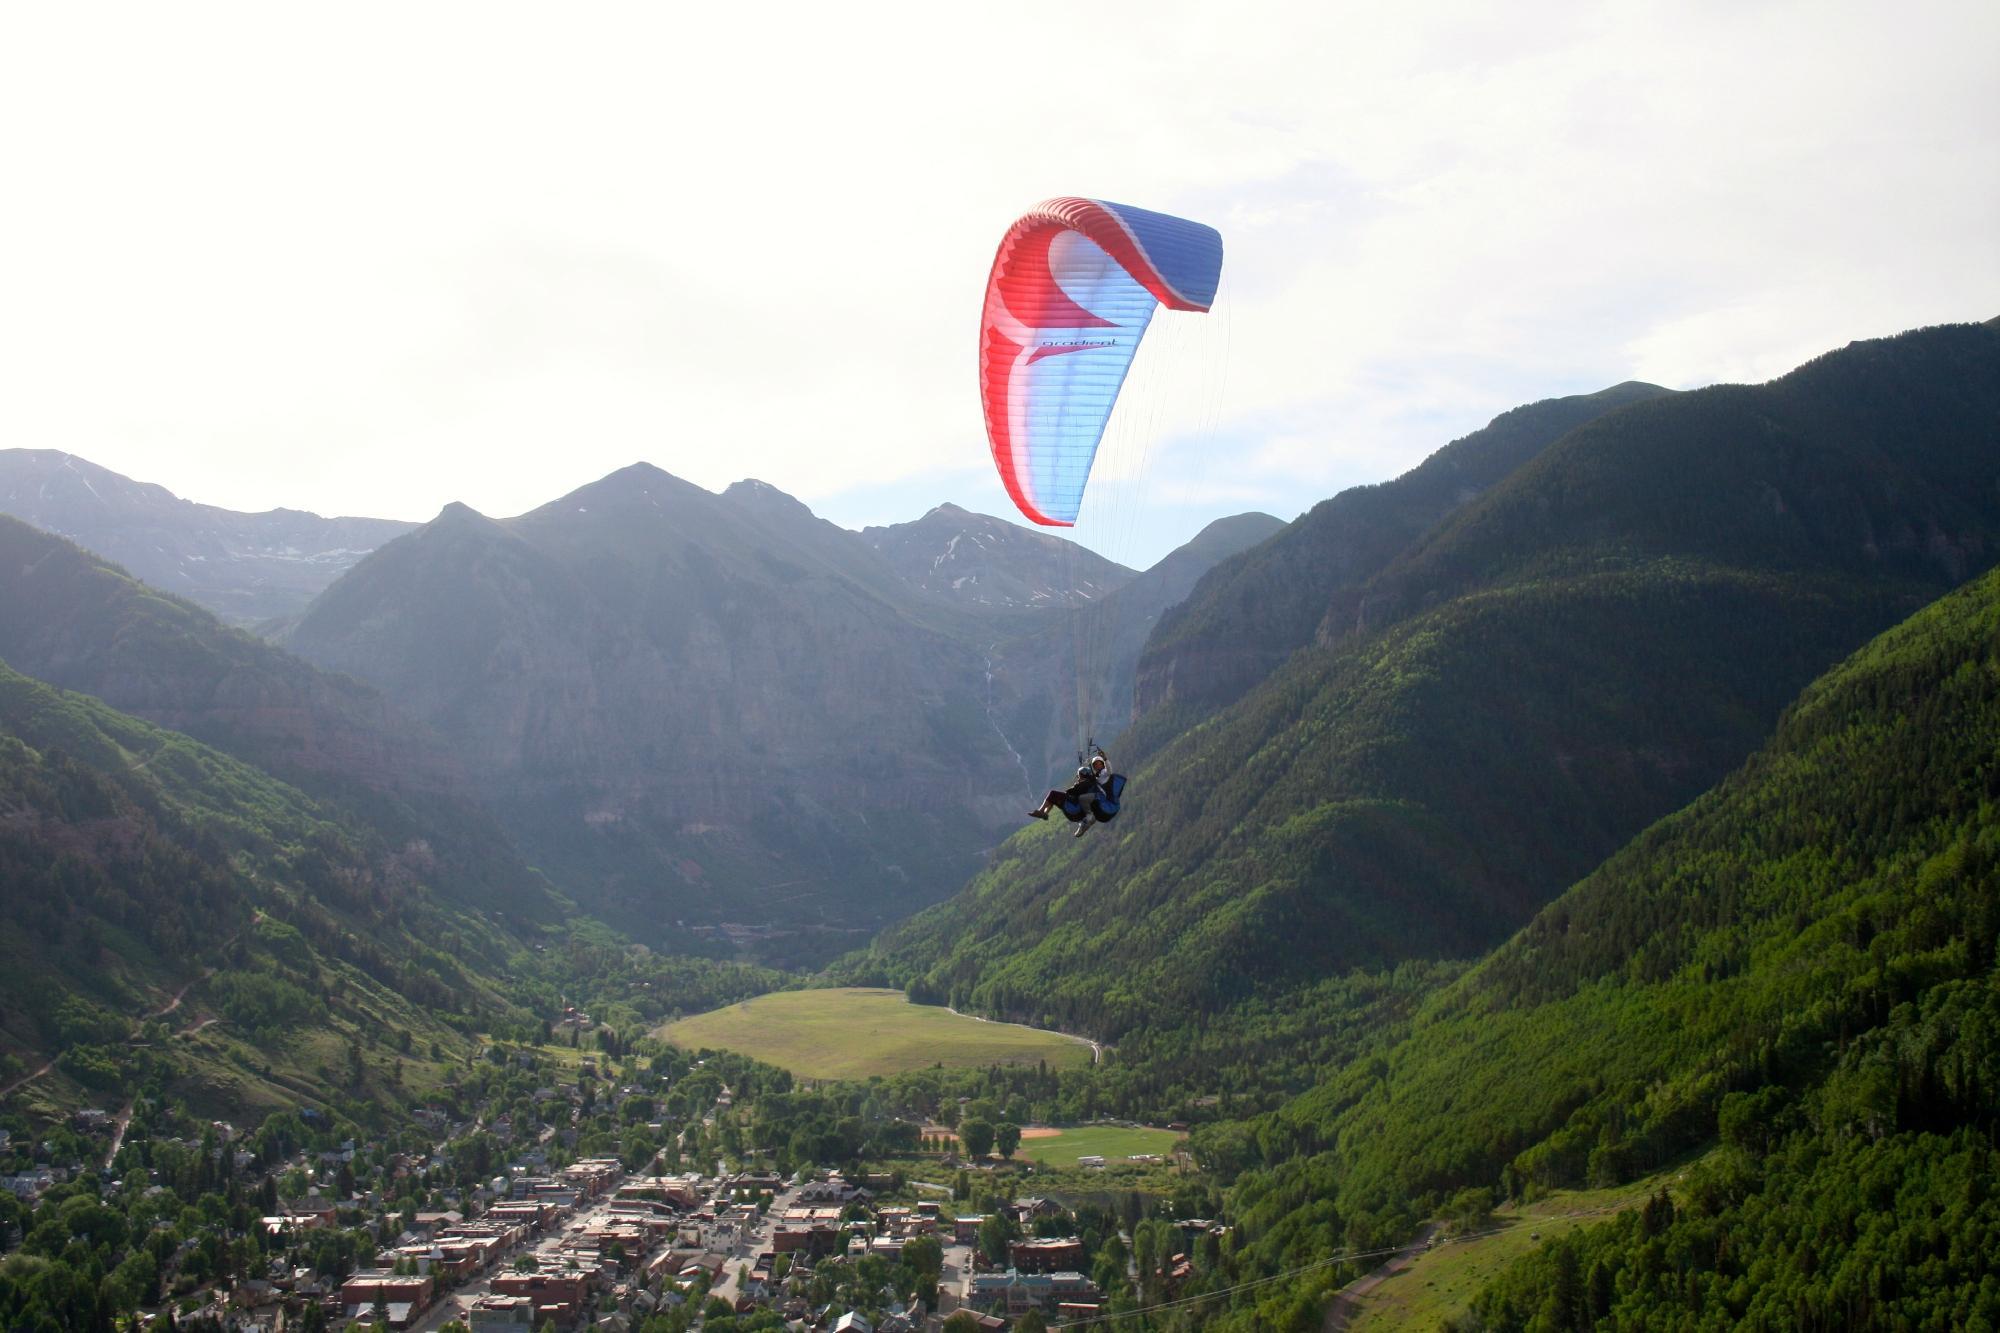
(1084, 789)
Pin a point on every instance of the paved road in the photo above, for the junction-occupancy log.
(118, 1134)
(751, 1244)
(957, 1270)
(1096, 1050)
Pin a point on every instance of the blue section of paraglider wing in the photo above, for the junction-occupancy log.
(1187, 254)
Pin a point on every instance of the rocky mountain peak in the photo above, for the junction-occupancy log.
(987, 561)
(636, 485)
(765, 498)
(458, 511)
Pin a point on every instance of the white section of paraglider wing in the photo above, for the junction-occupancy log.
(1071, 399)
(1085, 273)
(1021, 460)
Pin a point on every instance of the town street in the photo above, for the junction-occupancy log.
(752, 1242)
(454, 1304)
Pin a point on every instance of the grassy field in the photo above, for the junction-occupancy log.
(854, 1032)
(1442, 1281)
(1113, 1143)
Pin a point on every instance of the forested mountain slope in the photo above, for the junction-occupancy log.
(1099, 644)
(69, 618)
(1584, 649)
(180, 919)
(1252, 612)
(1798, 968)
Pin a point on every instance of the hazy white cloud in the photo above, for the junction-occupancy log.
(374, 258)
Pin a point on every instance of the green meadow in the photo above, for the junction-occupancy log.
(855, 1032)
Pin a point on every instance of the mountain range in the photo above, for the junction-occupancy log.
(708, 717)
(719, 712)
(247, 568)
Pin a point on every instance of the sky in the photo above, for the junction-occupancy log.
(371, 259)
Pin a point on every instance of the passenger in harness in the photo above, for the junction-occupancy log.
(1092, 798)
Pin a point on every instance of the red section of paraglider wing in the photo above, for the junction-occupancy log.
(1041, 352)
(1023, 299)
(1007, 431)
(1029, 290)
(999, 358)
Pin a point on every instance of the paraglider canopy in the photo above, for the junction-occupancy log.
(1073, 286)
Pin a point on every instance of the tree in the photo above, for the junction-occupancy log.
(1470, 1210)
(924, 1255)
(1109, 1270)
(1146, 1252)
(1006, 1138)
(994, 1234)
(978, 1136)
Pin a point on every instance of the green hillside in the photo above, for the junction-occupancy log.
(1253, 611)
(1590, 645)
(181, 920)
(1800, 967)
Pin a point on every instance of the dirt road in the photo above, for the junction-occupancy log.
(1347, 1301)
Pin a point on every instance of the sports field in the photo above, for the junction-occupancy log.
(854, 1032)
(1114, 1143)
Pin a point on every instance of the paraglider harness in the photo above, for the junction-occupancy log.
(1104, 805)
